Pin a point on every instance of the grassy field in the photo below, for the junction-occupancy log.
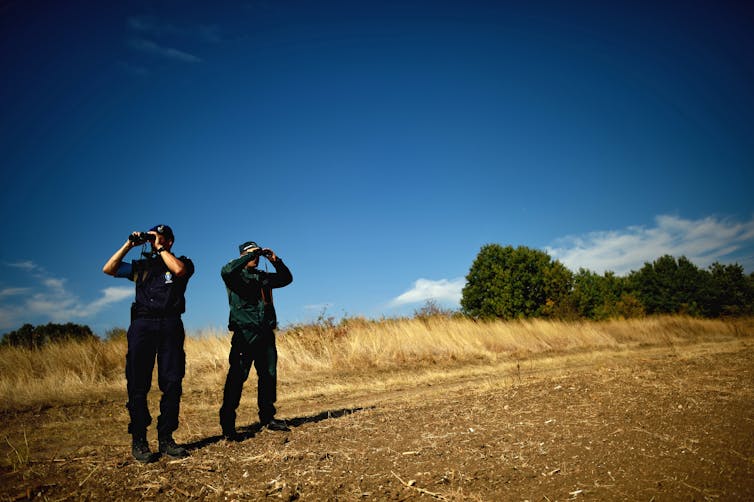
(437, 409)
(318, 359)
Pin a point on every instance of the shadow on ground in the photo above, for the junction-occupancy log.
(248, 432)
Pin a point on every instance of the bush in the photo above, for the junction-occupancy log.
(432, 309)
(115, 334)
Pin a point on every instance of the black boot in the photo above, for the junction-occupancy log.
(275, 425)
(140, 449)
(232, 435)
(228, 425)
(171, 449)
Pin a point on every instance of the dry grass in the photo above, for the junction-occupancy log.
(358, 354)
(60, 372)
(395, 344)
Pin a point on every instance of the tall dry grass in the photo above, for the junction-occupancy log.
(392, 344)
(60, 372)
(319, 356)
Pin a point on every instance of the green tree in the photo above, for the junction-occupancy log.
(628, 306)
(22, 337)
(586, 295)
(729, 292)
(596, 296)
(507, 282)
(34, 337)
(670, 286)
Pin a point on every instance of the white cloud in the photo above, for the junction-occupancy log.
(154, 26)
(53, 284)
(166, 52)
(702, 241)
(13, 292)
(24, 265)
(109, 295)
(148, 34)
(49, 300)
(318, 306)
(442, 290)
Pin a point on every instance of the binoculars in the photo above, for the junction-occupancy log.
(141, 238)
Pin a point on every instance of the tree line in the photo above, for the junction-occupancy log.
(34, 337)
(508, 283)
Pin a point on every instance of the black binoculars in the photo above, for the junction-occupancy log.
(141, 238)
(261, 252)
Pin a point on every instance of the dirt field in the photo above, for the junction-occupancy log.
(646, 424)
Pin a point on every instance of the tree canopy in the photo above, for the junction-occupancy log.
(507, 282)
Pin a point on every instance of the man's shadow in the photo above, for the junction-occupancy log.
(248, 432)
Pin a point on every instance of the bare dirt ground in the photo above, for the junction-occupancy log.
(645, 424)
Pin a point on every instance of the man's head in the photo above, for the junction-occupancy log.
(164, 235)
(248, 247)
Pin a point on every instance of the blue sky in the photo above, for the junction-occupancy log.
(375, 146)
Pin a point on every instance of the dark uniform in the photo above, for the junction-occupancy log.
(252, 320)
(156, 330)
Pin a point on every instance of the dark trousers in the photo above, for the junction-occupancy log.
(262, 353)
(149, 339)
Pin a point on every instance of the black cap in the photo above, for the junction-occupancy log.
(247, 246)
(163, 230)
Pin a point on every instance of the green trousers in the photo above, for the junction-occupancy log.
(247, 348)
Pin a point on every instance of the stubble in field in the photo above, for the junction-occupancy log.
(621, 412)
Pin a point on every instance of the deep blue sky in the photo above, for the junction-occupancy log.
(375, 146)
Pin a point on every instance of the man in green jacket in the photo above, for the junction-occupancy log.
(253, 321)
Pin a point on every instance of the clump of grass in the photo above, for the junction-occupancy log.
(19, 456)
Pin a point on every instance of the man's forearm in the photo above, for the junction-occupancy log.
(234, 267)
(111, 267)
(173, 263)
(283, 275)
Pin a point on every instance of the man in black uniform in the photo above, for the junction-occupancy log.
(253, 321)
(156, 330)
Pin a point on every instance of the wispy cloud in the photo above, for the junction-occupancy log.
(318, 307)
(13, 292)
(25, 265)
(157, 27)
(110, 295)
(702, 241)
(50, 300)
(148, 24)
(150, 47)
(442, 290)
(157, 37)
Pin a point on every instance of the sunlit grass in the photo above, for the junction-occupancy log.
(356, 354)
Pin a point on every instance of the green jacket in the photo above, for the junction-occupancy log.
(250, 294)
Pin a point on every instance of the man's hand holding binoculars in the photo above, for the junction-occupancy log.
(138, 238)
(158, 241)
(266, 252)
